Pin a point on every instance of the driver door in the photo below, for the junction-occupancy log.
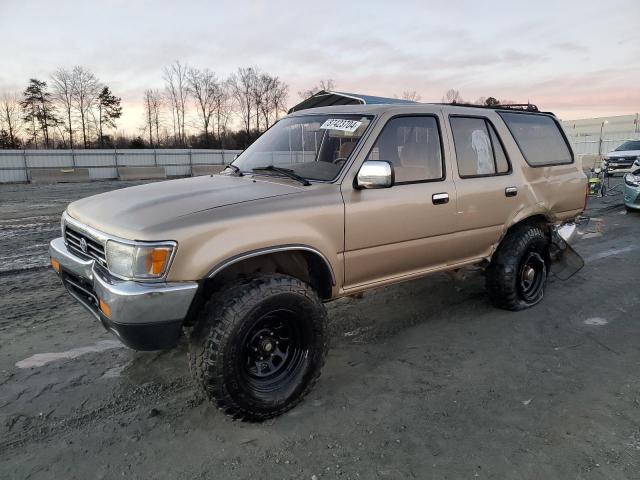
(397, 232)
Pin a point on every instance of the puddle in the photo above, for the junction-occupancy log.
(41, 359)
(597, 321)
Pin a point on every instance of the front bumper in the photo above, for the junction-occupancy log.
(144, 316)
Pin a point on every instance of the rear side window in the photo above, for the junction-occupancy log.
(539, 139)
(479, 151)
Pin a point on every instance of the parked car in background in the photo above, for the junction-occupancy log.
(632, 189)
(622, 159)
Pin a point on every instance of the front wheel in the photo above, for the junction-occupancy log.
(259, 345)
(517, 275)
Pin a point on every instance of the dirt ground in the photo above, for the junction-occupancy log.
(424, 379)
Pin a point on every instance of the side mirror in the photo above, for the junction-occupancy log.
(375, 174)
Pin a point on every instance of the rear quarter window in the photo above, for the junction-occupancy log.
(539, 139)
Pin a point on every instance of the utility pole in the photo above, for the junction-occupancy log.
(600, 143)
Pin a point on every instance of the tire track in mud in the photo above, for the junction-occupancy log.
(37, 429)
(24, 242)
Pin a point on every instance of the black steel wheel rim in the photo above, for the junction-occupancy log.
(532, 275)
(274, 352)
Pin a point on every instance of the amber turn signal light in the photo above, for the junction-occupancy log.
(157, 260)
(104, 308)
(55, 264)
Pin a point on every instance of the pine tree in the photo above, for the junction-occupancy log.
(109, 110)
(39, 111)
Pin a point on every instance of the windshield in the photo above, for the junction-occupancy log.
(315, 147)
(630, 145)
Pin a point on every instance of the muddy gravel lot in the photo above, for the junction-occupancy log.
(424, 379)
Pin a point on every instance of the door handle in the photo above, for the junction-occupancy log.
(440, 198)
(511, 191)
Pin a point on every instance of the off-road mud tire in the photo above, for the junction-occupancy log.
(218, 342)
(504, 276)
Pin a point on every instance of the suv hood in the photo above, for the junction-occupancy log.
(129, 212)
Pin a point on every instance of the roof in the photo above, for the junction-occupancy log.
(325, 98)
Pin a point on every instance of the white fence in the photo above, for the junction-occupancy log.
(15, 165)
(590, 144)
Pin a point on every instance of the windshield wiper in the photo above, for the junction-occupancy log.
(284, 171)
(235, 169)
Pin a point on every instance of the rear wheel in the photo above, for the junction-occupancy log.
(517, 275)
(259, 345)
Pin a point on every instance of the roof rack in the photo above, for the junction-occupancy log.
(529, 107)
(522, 107)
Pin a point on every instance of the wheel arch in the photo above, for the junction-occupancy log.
(538, 219)
(300, 261)
(541, 220)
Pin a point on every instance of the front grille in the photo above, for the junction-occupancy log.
(622, 160)
(82, 291)
(94, 250)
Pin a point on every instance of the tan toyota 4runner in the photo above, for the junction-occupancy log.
(328, 203)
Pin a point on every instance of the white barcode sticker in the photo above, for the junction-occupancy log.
(341, 124)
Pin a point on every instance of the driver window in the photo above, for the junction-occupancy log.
(412, 146)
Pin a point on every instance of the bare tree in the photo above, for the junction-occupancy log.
(241, 84)
(275, 93)
(62, 83)
(259, 88)
(327, 85)
(156, 109)
(411, 95)
(204, 87)
(452, 96)
(280, 95)
(152, 115)
(148, 112)
(176, 86)
(223, 110)
(85, 96)
(11, 118)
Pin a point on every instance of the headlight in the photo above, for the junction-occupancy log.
(632, 180)
(139, 261)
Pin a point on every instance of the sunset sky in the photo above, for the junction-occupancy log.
(577, 58)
